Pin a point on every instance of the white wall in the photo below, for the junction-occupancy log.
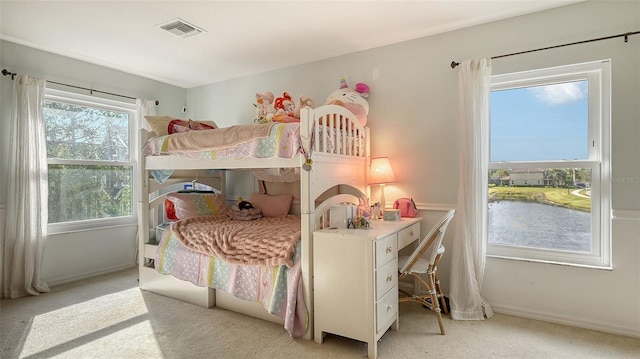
(413, 120)
(78, 255)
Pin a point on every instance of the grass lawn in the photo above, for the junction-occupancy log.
(556, 196)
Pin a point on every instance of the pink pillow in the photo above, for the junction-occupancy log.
(179, 126)
(198, 204)
(272, 205)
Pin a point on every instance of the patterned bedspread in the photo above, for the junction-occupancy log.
(279, 288)
(283, 141)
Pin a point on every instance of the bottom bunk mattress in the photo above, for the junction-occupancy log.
(257, 260)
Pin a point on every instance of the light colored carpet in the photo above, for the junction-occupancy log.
(109, 317)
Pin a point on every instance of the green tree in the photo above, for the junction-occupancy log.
(79, 191)
(496, 174)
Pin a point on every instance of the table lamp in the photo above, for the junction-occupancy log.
(381, 173)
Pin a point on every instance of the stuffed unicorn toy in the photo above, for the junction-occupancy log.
(353, 100)
(363, 209)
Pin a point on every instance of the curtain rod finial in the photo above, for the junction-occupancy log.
(454, 64)
(7, 73)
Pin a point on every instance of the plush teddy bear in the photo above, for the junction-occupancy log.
(353, 100)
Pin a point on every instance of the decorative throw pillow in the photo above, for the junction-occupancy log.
(198, 204)
(160, 124)
(179, 126)
(272, 205)
(170, 210)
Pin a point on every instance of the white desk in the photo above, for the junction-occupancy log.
(356, 279)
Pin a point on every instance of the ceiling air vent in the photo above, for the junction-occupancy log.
(181, 28)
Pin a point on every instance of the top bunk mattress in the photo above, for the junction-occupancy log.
(268, 140)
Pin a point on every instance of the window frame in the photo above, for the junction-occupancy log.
(56, 95)
(598, 75)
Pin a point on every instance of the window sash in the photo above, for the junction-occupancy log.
(55, 95)
(598, 76)
(553, 255)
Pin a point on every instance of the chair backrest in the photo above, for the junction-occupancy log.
(432, 240)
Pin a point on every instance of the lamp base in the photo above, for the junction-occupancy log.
(383, 204)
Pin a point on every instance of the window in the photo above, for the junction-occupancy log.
(90, 150)
(549, 171)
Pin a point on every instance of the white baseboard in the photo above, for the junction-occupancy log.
(63, 280)
(566, 320)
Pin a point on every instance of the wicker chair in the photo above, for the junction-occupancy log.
(417, 266)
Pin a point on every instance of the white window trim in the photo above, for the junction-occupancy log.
(99, 102)
(598, 73)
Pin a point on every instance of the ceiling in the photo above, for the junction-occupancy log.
(240, 38)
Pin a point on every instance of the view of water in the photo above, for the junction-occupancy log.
(538, 225)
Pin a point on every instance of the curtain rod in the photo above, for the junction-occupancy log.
(626, 39)
(5, 72)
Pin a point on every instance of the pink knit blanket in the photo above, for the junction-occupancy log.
(265, 241)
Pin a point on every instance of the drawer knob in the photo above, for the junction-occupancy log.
(389, 278)
(411, 233)
(389, 308)
(389, 249)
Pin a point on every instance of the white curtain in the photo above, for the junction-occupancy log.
(469, 246)
(27, 211)
(145, 108)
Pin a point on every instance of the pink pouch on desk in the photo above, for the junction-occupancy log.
(406, 206)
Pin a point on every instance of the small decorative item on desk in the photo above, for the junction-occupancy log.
(375, 212)
(392, 215)
(361, 223)
(363, 213)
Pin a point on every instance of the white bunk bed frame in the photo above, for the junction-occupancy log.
(340, 165)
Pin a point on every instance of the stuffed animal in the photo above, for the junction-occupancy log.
(363, 209)
(283, 105)
(281, 109)
(303, 102)
(244, 211)
(264, 107)
(353, 100)
(244, 205)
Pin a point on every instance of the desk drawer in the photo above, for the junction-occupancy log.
(386, 249)
(386, 278)
(387, 310)
(408, 235)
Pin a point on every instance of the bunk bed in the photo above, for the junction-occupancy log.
(331, 151)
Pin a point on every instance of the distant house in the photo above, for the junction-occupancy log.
(527, 177)
(503, 181)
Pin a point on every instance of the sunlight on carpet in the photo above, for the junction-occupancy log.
(113, 318)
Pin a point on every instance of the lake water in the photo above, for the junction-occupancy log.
(538, 225)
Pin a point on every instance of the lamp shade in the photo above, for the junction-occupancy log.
(381, 171)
